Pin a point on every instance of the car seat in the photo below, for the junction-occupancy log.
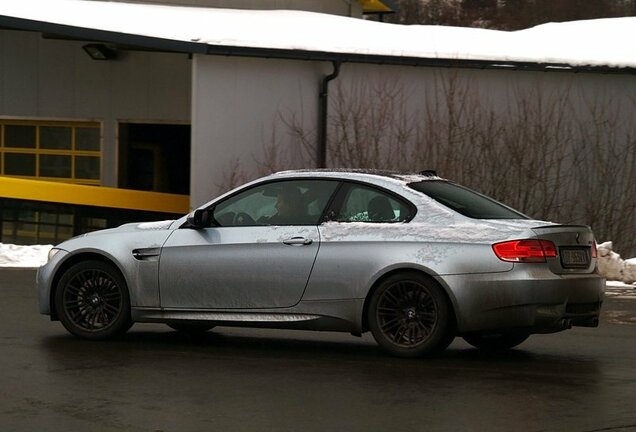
(380, 209)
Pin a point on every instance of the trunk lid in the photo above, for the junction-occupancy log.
(574, 245)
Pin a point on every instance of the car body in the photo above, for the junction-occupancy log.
(414, 258)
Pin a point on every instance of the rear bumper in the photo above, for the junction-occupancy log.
(528, 297)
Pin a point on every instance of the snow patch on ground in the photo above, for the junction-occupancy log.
(23, 256)
(612, 267)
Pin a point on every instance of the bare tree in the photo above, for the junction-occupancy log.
(506, 14)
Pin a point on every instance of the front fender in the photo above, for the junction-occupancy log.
(116, 248)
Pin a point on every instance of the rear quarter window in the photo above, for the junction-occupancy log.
(362, 203)
(466, 201)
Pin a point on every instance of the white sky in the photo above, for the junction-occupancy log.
(602, 42)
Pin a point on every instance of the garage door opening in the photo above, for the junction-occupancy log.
(154, 157)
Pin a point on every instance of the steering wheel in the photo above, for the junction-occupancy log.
(242, 218)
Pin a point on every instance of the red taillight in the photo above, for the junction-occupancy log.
(525, 251)
(549, 248)
(594, 250)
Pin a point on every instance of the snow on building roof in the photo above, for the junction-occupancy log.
(601, 43)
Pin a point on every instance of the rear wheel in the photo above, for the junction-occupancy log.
(496, 341)
(409, 316)
(92, 301)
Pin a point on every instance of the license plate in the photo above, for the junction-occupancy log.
(575, 257)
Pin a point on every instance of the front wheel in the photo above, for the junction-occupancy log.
(409, 315)
(495, 341)
(92, 301)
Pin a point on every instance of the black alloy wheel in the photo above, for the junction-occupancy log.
(409, 316)
(92, 301)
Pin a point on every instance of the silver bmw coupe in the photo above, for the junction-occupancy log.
(413, 258)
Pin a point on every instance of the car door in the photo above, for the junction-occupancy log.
(257, 251)
(358, 242)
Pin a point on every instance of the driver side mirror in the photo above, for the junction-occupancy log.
(199, 219)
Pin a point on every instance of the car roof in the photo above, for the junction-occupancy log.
(394, 181)
(361, 173)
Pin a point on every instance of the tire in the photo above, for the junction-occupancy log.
(192, 329)
(92, 301)
(409, 316)
(495, 341)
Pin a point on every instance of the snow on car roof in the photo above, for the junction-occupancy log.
(591, 43)
(402, 177)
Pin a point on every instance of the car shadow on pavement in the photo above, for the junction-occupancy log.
(297, 348)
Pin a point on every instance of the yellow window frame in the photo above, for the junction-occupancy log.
(73, 153)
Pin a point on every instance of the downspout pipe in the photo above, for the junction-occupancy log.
(321, 160)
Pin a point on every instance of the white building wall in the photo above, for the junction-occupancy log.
(55, 79)
(498, 88)
(236, 103)
(239, 103)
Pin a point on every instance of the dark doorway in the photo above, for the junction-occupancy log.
(154, 157)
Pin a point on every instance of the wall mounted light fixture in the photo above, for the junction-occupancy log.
(98, 51)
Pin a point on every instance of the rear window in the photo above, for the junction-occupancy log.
(465, 201)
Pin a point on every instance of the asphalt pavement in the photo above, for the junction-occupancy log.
(155, 379)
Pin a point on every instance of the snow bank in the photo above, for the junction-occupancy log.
(629, 271)
(613, 267)
(23, 256)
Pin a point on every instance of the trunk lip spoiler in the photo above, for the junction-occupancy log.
(563, 226)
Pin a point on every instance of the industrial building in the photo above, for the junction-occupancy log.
(120, 111)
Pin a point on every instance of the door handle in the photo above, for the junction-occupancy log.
(298, 241)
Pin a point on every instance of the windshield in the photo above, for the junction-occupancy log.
(465, 201)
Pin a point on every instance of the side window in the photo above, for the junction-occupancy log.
(365, 204)
(298, 202)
